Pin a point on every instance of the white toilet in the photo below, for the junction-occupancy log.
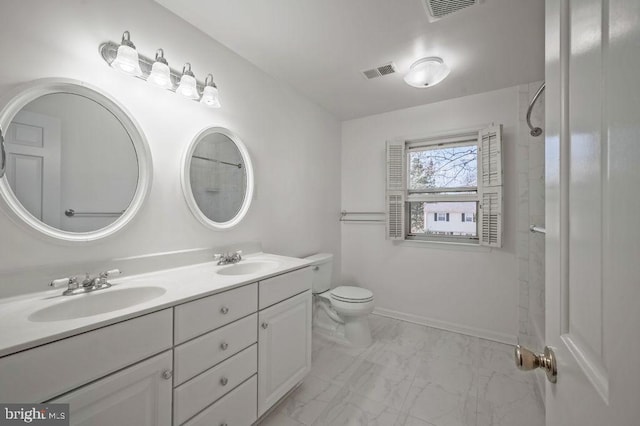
(340, 313)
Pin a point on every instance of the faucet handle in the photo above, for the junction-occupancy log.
(71, 282)
(109, 273)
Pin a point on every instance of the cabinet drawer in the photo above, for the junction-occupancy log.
(203, 352)
(199, 392)
(44, 372)
(237, 408)
(281, 287)
(198, 317)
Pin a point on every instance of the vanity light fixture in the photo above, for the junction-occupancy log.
(188, 87)
(127, 59)
(210, 93)
(160, 74)
(427, 72)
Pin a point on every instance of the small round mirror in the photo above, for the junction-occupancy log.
(77, 166)
(218, 178)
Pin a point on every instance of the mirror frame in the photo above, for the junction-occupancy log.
(16, 99)
(186, 179)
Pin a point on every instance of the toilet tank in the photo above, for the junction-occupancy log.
(322, 265)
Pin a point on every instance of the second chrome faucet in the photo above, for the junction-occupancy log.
(228, 258)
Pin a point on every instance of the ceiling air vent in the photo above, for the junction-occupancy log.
(380, 71)
(437, 9)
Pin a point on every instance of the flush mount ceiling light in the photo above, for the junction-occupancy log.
(124, 57)
(160, 74)
(426, 72)
(210, 93)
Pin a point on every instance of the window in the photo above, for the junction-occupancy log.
(468, 217)
(437, 187)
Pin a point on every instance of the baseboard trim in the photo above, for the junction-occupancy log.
(448, 326)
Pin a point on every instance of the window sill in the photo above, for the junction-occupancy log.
(444, 245)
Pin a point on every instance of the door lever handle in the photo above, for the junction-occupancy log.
(527, 360)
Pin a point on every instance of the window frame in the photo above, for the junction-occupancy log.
(489, 213)
(457, 194)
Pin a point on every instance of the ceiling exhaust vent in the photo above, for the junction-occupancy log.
(437, 9)
(380, 71)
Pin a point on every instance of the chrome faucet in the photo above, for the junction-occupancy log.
(228, 258)
(87, 285)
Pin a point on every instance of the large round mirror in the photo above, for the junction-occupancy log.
(218, 178)
(77, 166)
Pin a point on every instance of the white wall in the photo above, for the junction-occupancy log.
(295, 145)
(472, 290)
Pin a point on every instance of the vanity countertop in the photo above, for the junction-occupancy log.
(18, 332)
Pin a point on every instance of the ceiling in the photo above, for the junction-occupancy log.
(320, 47)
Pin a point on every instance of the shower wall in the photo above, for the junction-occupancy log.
(530, 246)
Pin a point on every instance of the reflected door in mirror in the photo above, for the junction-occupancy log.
(33, 151)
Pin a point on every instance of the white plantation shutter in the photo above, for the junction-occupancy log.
(396, 188)
(490, 186)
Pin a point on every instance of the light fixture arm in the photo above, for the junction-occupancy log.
(208, 81)
(108, 51)
(126, 40)
(160, 57)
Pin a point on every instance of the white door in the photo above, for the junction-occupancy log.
(33, 151)
(592, 211)
(139, 395)
(284, 348)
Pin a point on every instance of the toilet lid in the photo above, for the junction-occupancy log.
(351, 294)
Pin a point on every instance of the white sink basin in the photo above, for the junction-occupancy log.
(98, 302)
(248, 267)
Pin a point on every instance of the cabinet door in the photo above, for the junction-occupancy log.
(139, 395)
(284, 348)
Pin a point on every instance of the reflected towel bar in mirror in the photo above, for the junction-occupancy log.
(238, 165)
(73, 213)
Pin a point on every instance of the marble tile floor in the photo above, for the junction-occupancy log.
(412, 375)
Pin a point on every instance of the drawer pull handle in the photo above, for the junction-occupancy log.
(224, 346)
(265, 325)
(224, 310)
(224, 381)
(167, 374)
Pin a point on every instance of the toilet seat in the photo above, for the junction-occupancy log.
(350, 294)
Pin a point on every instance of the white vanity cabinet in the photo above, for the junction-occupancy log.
(225, 359)
(284, 336)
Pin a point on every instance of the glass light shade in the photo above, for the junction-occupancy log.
(187, 87)
(126, 61)
(210, 97)
(427, 72)
(160, 75)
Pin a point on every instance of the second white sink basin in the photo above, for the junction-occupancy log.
(98, 302)
(248, 267)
